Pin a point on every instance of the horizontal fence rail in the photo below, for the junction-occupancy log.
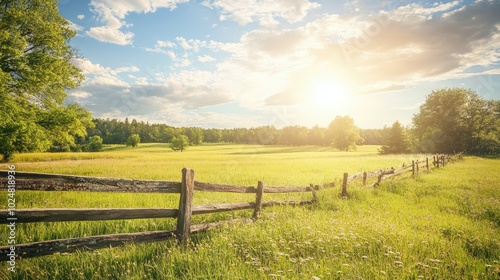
(43, 248)
(187, 186)
(413, 168)
(58, 182)
(86, 214)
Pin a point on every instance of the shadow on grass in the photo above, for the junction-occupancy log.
(111, 148)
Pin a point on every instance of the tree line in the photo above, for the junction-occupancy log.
(115, 131)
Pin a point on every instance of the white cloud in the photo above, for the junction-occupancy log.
(195, 118)
(205, 58)
(79, 94)
(99, 75)
(104, 92)
(246, 11)
(110, 35)
(276, 68)
(112, 14)
(162, 47)
(75, 26)
(416, 12)
(165, 44)
(89, 67)
(183, 43)
(80, 17)
(191, 44)
(127, 69)
(381, 53)
(183, 62)
(172, 55)
(183, 56)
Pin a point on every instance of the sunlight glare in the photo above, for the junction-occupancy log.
(329, 94)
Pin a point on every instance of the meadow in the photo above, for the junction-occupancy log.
(438, 225)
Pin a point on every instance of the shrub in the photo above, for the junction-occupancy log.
(95, 143)
(133, 140)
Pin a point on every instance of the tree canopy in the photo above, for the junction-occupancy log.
(396, 140)
(114, 131)
(179, 143)
(35, 73)
(344, 133)
(133, 140)
(458, 120)
(95, 143)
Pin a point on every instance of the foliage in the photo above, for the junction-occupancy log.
(212, 135)
(95, 143)
(179, 143)
(195, 135)
(396, 140)
(372, 136)
(133, 140)
(456, 119)
(35, 72)
(116, 132)
(344, 133)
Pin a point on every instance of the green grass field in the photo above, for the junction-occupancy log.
(441, 225)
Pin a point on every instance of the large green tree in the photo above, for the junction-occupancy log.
(35, 73)
(395, 140)
(344, 133)
(179, 143)
(457, 119)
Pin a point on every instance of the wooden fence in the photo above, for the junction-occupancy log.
(414, 168)
(186, 188)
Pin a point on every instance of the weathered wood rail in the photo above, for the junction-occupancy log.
(415, 166)
(186, 188)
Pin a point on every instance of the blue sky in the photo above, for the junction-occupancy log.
(248, 63)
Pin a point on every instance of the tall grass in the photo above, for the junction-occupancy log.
(441, 225)
(217, 163)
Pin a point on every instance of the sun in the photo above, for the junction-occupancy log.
(328, 94)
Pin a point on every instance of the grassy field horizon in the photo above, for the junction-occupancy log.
(438, 225)
(217, 163)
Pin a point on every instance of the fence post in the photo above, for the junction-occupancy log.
(437, 162)
(364, 177)
(313, 190)
(379, 179)
(344, 185)
(443, 157)
(413, 168)
(427, 163)
(185, 202)
(258, 200)
(418, 168)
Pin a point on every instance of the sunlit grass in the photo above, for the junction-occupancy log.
(217, 163)
(441, 225)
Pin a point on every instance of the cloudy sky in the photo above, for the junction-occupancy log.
(247, 63)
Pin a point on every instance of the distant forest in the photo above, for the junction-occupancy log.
(450, 120)
(116, 131)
